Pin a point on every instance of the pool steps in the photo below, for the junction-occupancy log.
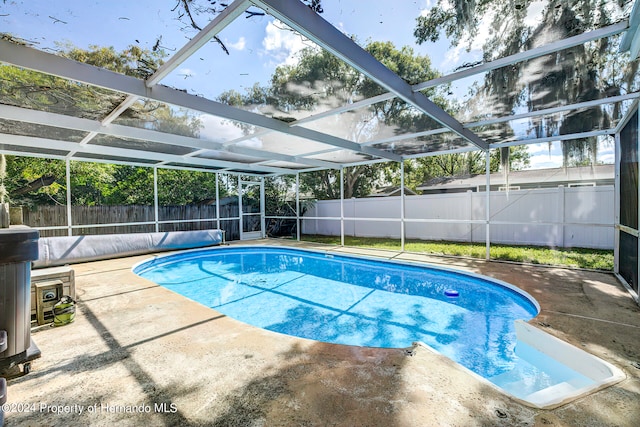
(600, 373)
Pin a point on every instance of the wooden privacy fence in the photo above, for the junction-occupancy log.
(180, 218)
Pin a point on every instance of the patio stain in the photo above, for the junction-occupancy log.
(137, 344)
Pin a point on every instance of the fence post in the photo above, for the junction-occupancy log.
(561, 218)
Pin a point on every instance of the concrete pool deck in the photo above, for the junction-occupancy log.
(139, 354)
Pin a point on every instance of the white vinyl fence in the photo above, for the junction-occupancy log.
(555, 217)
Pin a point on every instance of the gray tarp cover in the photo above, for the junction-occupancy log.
(73, 249)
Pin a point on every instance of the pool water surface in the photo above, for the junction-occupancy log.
(347, 300)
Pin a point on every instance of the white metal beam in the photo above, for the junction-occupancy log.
(304, 20)
(140, 155)
(26, 57)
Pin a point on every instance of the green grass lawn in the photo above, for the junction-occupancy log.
(596, 259)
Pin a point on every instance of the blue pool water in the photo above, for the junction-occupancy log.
(354, 301)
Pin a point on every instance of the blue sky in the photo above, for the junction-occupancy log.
(256, 45)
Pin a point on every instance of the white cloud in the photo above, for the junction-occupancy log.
(608, 158)
(541, 148)
(251, 143)
(186, 72)
(534, 13)
(544, 161)
(283, 44)
(428, 4)
(239, 45)
(542, 157)
(606, 151)
(217, 129)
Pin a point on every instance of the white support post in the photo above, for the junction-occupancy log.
(217, 200)
(561, 219)
(155, 199)
(488, 205)
(240, 206)
(341, 206)
(616, 243)
(298, 223)
(68, 178)
(262, 208)
(402, 225)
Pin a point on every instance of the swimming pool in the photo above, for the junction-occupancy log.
(352, 301)
(375, 303)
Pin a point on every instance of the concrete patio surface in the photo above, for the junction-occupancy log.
(141, 355)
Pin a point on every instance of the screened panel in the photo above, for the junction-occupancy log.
(602, 117)
(342, 156)
(280, 206)
(629, 173)
(285, 144)
(186, 195)
(114, 159)
(39, 186)
(188, 226)
(629, 259)
(13, 127)
(228, 156)
(522, 25)
(563, 78)
(381, 120)
(157, 27)
(96, 197)
(422, 144)
(229, 205)
(274, 88)
(43, 92)
(161, 117)
(40, 151)
(137, 144)
(288, 165)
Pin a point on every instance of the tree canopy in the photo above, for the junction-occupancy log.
(32, 181)
(581, 73)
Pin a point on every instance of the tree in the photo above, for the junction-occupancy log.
(420, 170)
(319, 81)
(181, 187)
(35, 181)
(576, 74)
